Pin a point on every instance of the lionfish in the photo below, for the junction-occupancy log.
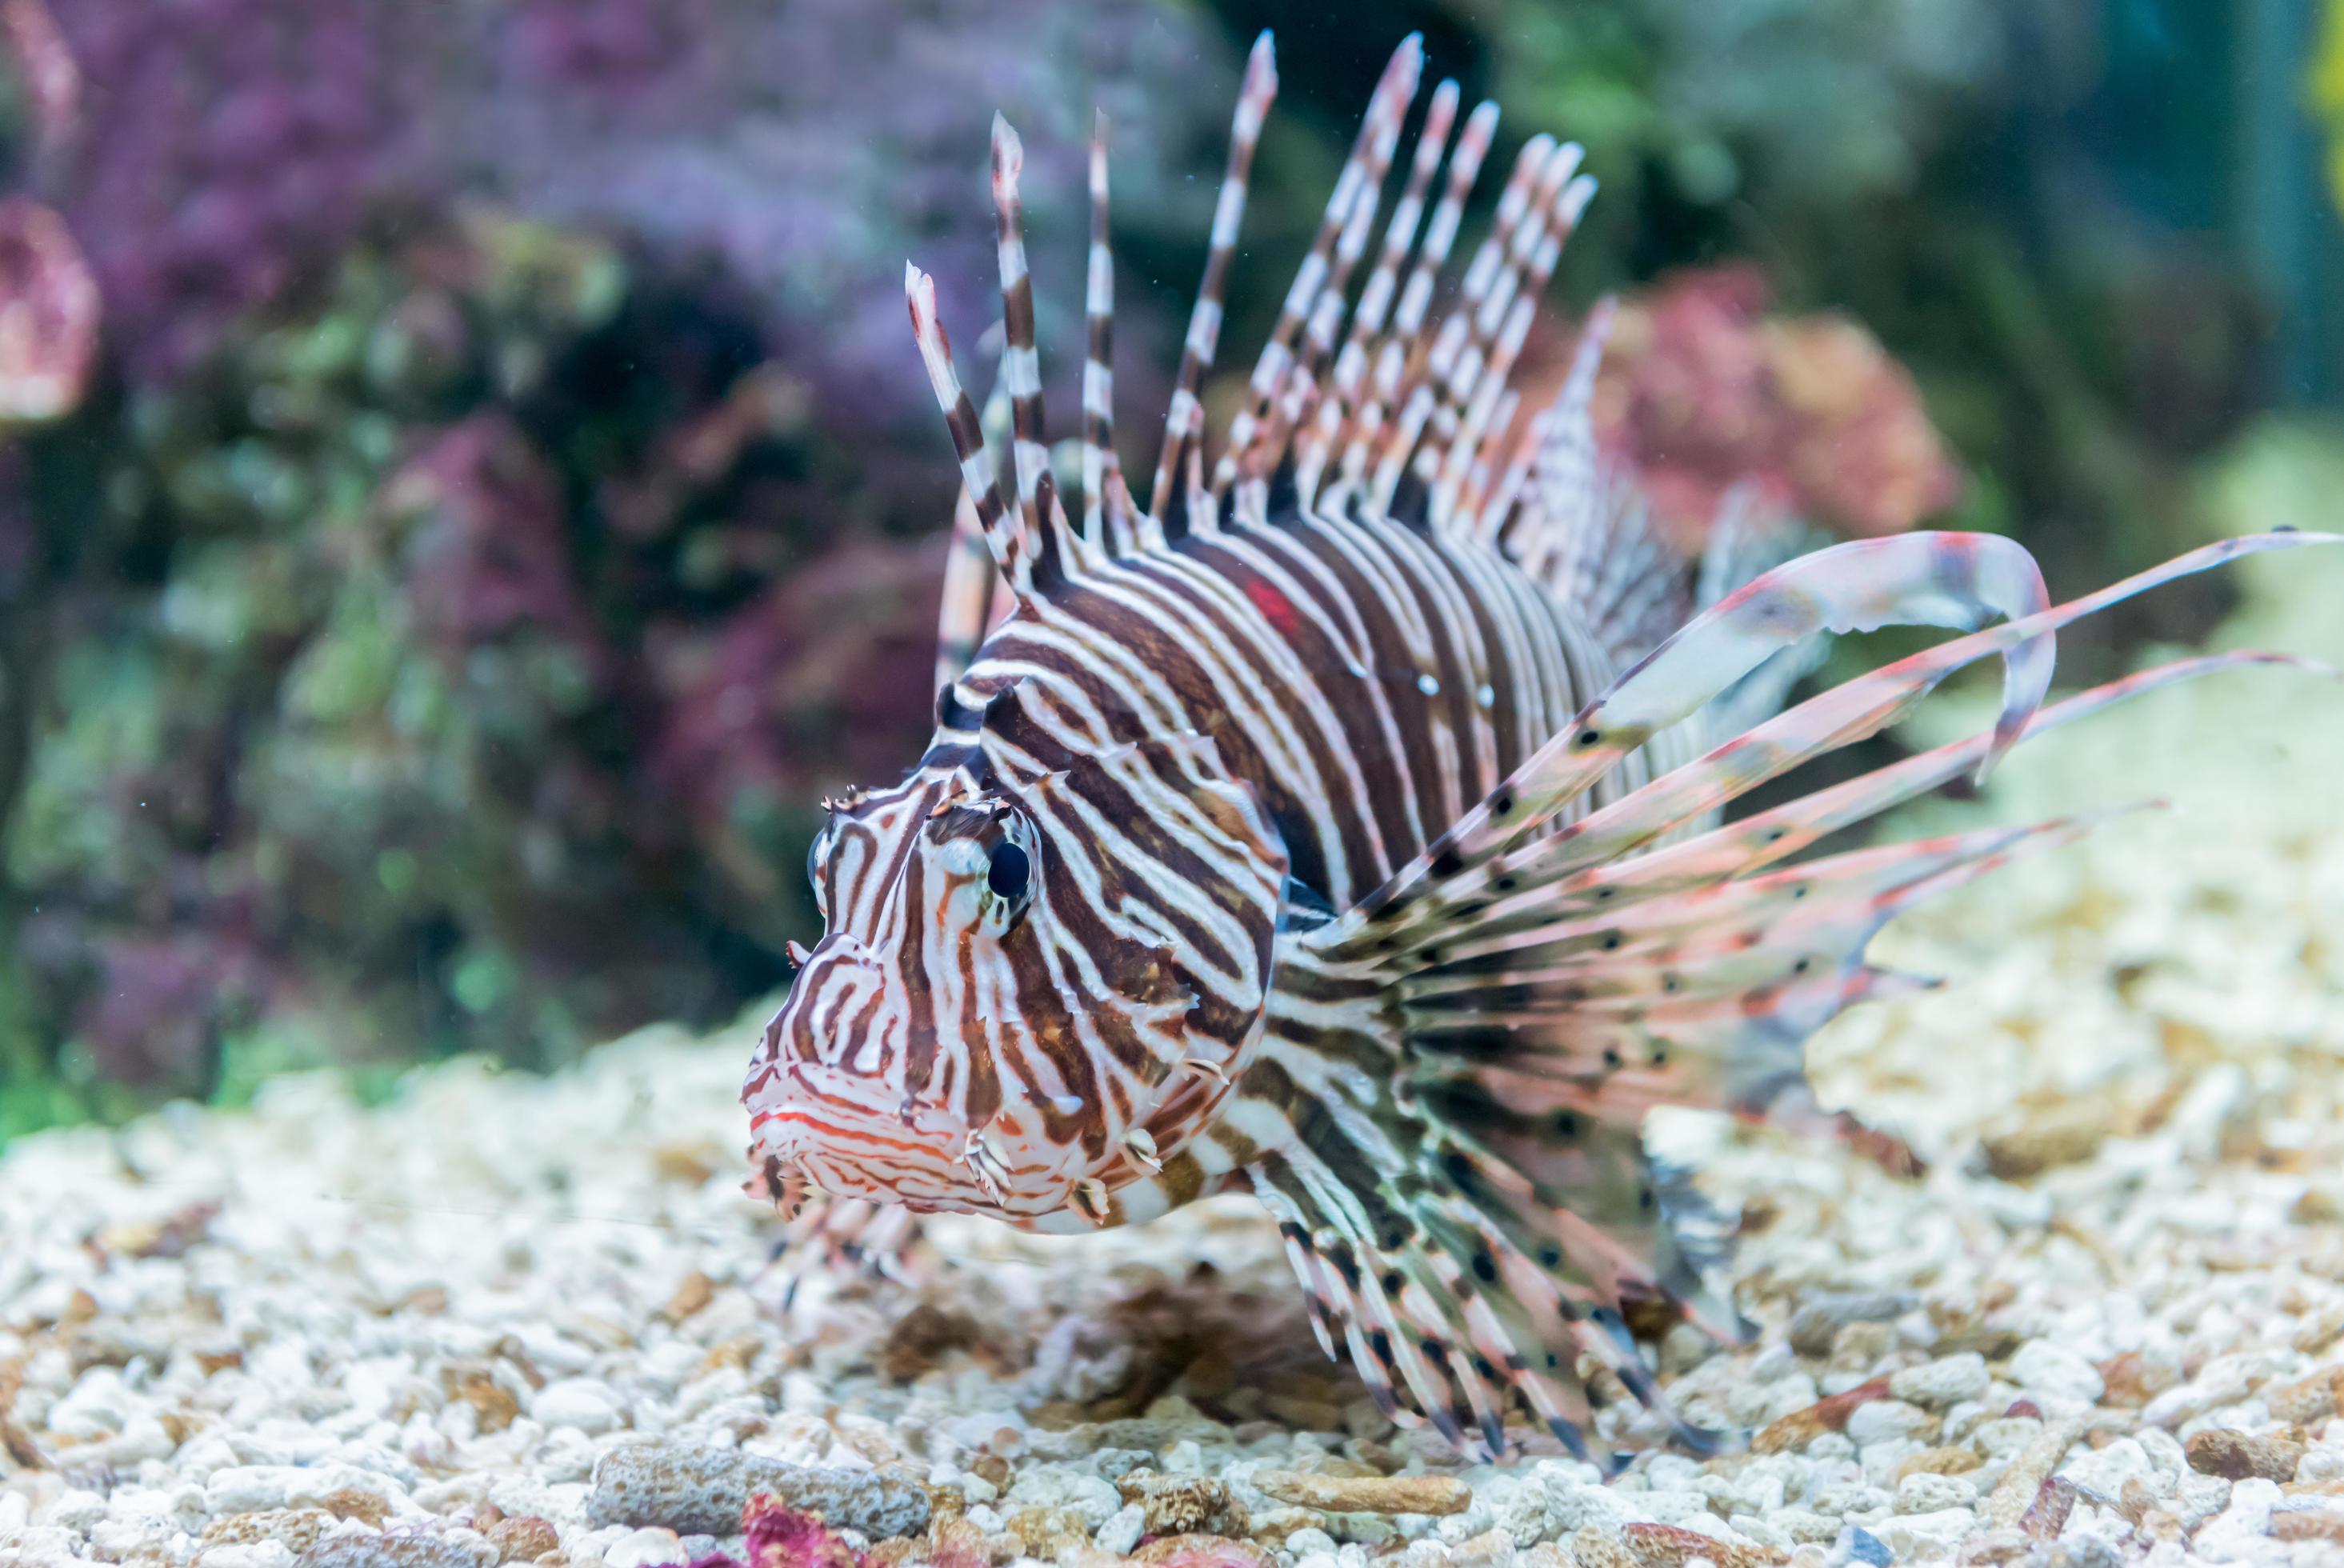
(1345, 826)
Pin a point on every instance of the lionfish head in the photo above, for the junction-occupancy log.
(1030, 991)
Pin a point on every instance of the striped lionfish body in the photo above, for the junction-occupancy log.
(1344, 824)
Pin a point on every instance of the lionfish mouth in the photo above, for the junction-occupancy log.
(824, 1138)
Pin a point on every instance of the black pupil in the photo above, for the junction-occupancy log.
(1011, 869)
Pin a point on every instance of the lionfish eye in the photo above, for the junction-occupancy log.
(1010, 871)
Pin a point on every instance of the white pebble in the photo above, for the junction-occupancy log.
(2240, 1532)
(1926, 1537)
(646, 1548)
(246, 1554)
(2041, 1366)
(2106, 1470)
(77, 1510)
(1883, 1421)
(1122, 1530)
(1947, 1380)
(1062, 1486)
(2005, 1435)
(1928, 1493)
(578, 1402)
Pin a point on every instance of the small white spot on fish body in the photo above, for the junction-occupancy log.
(1428, 685)
(1487, 696)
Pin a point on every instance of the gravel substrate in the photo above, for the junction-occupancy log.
(506, 1319)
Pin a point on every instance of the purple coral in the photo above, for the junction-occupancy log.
(229, 146)
(812, 151)
(153, 1019)
(487, 546)
(226, 145)
(805, 687)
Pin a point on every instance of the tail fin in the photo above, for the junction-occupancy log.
(1465, 1190)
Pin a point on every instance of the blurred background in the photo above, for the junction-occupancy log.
(466, 488)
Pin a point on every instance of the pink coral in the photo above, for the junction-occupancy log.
(1701, 390)
(781, 1536)
(49, 313)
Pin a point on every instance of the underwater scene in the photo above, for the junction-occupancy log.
(1216, 784)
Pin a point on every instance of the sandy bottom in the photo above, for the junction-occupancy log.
(2103, 1327)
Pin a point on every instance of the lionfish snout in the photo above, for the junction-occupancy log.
(832, 1109)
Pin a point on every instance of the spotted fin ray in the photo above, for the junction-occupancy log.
(1473, 1209)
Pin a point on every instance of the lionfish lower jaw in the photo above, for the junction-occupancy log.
(800, 954)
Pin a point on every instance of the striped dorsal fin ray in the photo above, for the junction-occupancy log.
(1585, 531)
(1003, 530)
(1436, 386)
(1271, 446)
(1389, 358)
(1338, 383)
(975, 597)
(1500, 325)
(1558, 457)
(1107, 522)
(1383, 401)
(1060, 551)
(1320, 283)
(1336, 403)
(1184, 423)
(969, 579)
